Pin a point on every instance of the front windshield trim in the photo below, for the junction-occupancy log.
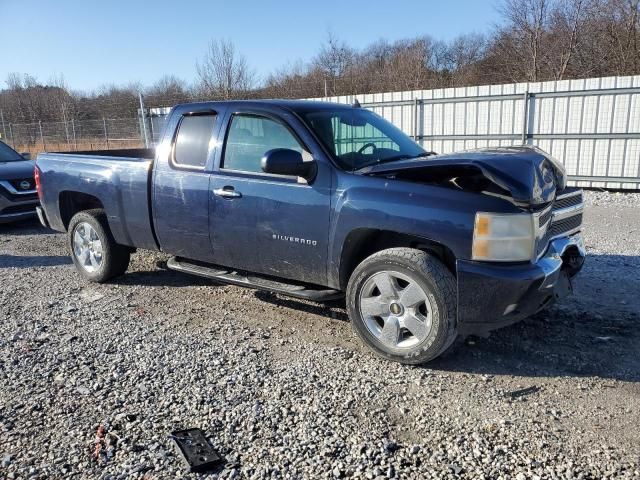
(396, 159)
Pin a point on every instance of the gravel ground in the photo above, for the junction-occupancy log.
(284, 389)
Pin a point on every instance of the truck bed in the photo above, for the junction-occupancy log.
(128, 153)
(117, 179)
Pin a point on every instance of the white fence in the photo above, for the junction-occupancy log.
(591, 125)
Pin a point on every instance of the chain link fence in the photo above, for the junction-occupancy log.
(105, 133)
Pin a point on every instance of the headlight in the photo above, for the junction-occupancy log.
(503, 237)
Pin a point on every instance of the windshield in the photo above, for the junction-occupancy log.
(8, 154)
(357, 137)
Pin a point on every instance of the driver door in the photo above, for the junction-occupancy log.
(264, 223)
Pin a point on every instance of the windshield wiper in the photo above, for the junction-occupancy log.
(393, 158)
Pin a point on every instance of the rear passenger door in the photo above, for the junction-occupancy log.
(264, 223)
(181, 184)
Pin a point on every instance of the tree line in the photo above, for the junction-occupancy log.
(536, 40)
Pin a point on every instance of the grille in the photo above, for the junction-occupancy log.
(545, 217)
(561, 226)
(565, 201)
(569, 198)
(543, 243)
(17, 198)
(23, 184)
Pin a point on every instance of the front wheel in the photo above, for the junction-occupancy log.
(402, 303)
(93, 249)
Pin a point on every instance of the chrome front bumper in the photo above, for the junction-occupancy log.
(551, 263)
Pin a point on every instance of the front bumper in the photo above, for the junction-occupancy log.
(491, 296)
(16, 206)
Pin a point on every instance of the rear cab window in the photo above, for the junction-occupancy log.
(193, 141)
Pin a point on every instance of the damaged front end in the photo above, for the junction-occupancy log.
(500, 284)
(526, 175)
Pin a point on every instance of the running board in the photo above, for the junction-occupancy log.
(225, 275)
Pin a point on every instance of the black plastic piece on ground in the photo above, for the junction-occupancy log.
(196, 450)
(524, 391)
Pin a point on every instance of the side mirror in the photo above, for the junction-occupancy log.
(283, 161)
(26, 155)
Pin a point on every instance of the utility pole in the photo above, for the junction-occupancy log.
(44, 145)
(415, 119)
(143, 120)
(4, 131)
(525, 117)
(106, 134)
(73, 129)
(64, 120)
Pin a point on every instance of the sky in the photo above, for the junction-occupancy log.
(94, 43)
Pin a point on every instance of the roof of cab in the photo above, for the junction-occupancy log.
(297, 106)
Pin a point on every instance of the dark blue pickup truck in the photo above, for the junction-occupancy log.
(321, 200)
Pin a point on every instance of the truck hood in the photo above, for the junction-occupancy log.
(16, 169)
(529, 175)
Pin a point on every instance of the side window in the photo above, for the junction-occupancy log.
(192, 141)
(250, 137)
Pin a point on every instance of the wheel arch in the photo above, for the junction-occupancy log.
(71, 202)
(363, 242)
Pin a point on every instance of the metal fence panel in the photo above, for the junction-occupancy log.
(591, 125)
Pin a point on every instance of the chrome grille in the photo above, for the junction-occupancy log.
(561, 226)
(563, 217)
(569, 198)
(22, 184)
(545, 217)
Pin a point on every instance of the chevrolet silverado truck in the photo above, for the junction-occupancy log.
(321, 201)
(18, 197)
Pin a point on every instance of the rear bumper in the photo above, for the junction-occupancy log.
(491, 296)
(42, 217)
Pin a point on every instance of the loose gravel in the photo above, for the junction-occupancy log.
(93, 378)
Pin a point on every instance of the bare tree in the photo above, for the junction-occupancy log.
(168, 91)
(572, 20)
(463, 58)
(223, 72)
(620, 31)
(28, 100)
(519, 42)
(334, 61)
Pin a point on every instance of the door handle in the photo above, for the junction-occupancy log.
(227, 192)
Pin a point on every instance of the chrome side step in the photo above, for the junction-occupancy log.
(249, 280)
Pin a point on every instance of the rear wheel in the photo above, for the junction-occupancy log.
(93, 249)
(402, 303)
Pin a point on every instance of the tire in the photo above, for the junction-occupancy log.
(415, 296)
(104, 259)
